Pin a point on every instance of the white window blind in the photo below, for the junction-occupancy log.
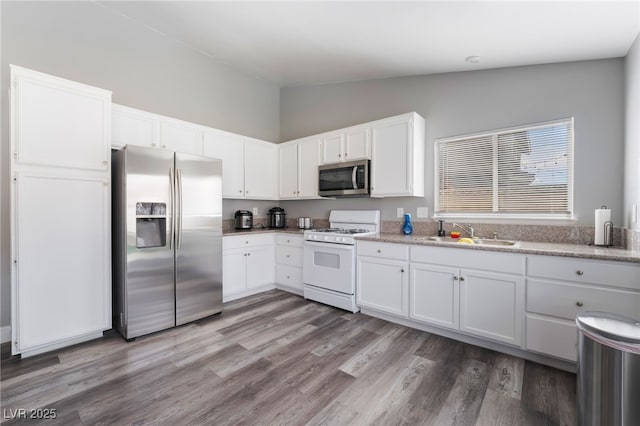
(519, 172)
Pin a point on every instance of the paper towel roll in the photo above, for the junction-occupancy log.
(602, 215)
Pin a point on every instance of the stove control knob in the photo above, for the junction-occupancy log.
(326, 238)
(338, 239)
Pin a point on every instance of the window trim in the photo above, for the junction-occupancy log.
(560, 218)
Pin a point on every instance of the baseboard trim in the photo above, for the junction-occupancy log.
(5, 334)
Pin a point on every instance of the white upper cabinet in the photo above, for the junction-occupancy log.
(249, 166)
(59, 123)
(298, 177)
(135, 127)
(348, 144)
(397, 157)
(260, 170)
(357, 143)
(181, 136)
(230, 149)
(288, 170)
(331, 147)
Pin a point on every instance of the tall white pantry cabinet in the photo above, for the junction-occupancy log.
(60, 212)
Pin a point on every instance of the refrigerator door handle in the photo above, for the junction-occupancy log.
(179, 189)
(172, 209)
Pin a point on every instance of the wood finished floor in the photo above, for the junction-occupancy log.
(275, 358)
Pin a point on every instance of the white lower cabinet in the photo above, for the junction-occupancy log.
(382, 277)
(382, 285)
(482, 303)
(289, 262)
(434, 294)
(248, 265)
(492, 305)
(558, 289)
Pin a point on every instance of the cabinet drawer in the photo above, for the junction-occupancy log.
(469, 258)
(618, 274)
(383, 250)
(289, 276)
(247, 240)
(553, 337)
(566, 300)
(291, 256)
(289, 240)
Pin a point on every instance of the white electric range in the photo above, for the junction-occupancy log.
(329, 269)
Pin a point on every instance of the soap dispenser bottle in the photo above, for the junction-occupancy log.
(441, 228)
(407, 229)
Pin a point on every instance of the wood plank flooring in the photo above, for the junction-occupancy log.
(275, 358)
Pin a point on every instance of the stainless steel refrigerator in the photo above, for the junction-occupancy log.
(167, 239)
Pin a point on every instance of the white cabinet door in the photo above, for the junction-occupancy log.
(331, 147)
(434, 293)
(63, 253)
(133, 127)
(234, 274)
(260, 266)
(181, 137)
(59, 123)
(288, 171)
(383, 285)
(230, 149)
(260, 170)
(356, 144)
(491, 305)
(391, 159)
(308, 168)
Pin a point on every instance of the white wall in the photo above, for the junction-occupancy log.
(632, 136)
(85, 42)
(466, 102)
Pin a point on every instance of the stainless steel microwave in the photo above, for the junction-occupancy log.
(344, 179)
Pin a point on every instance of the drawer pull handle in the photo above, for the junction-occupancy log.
(579, 304)
(288, 256)
(578, 272)
(461, 278)
(288, 277)
(379, 251)
(401, 269)
(288, 241)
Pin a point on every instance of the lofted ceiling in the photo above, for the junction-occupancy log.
(305, 43)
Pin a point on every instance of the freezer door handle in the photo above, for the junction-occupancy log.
(179, 189)
(172, 209)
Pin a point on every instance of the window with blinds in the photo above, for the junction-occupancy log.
(517, 172)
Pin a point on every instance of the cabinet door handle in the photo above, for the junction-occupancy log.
(346, 153)
(579, 304)
(240, 191)
(164, 146)
(379, 251)
(461, 278)
(104, 162)
(401, 269)
(153, 144)
(339, 155)
(455, 278)
(248, 254)
(288, 256)
(579, 272)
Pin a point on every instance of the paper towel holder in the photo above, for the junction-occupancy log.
(608, 234)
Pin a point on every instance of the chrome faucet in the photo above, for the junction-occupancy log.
(468, 231)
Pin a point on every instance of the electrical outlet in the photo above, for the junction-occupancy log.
(255, 211)
(400, 212)
(423, 212)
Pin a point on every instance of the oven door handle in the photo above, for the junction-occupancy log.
(353, 177)
(329, 246)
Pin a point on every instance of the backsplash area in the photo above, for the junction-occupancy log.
(539, 233)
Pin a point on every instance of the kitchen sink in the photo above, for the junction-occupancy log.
(479, 241)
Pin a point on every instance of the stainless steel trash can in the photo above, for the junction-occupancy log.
(608, 389)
